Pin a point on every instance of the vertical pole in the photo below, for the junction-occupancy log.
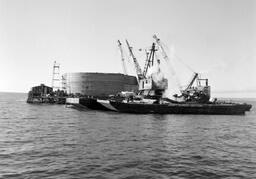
(56, 76)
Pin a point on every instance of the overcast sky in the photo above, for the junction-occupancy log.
(214, 37)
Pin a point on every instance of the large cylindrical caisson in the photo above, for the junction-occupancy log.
(98, 84)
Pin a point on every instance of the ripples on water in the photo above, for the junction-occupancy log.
(51, 141)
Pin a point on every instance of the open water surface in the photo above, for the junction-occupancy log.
(52, 141)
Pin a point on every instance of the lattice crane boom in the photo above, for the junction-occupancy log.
(137, 66)
(195, 76)
(122, 57)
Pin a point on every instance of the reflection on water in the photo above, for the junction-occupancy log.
(57, 142)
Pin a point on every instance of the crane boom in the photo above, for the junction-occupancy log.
(192, 81)
(168, 60)
(137, 66)
(122, 57)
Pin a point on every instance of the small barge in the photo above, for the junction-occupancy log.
(45, 94)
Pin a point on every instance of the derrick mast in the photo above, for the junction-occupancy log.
(149, 59)
(56, 76)
(154, 84)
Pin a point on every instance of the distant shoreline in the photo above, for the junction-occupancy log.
(13, 92)
(235, 94)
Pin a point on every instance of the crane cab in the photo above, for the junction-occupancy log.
(200, 92)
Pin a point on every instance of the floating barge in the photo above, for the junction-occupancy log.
(83, 84)
(216, 108)
(193, 99)
(45, 94)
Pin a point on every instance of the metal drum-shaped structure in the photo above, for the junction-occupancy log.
(98, 84)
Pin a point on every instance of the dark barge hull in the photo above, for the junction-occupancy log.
(90, 103)
(216, 109)
(170, 108)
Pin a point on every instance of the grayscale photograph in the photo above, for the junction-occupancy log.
(127, 89)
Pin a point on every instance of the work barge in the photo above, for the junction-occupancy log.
(143, 94)
(216, 108)
(194, 98)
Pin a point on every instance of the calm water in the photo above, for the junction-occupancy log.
(51, 141)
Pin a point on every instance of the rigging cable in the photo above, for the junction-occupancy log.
(179, 59)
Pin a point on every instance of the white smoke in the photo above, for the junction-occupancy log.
(173, 87)
(168, 68)
(159, 80)
(151, 70)
(157, 75)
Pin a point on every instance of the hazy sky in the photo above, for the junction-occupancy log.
(215, 37)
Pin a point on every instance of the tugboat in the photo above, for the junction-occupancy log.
(193, 99)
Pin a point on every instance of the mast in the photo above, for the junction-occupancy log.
(150, 59)
(122, 57)
(137, 66)
(147, 63)
(56, 76)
